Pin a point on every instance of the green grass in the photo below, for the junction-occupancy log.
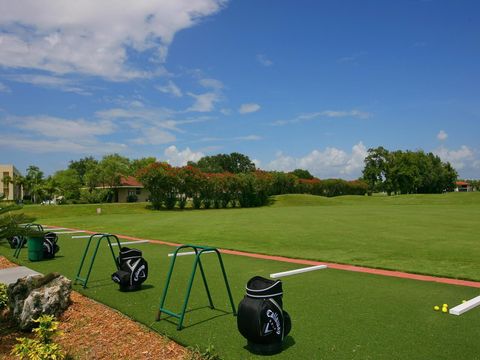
(335, 314)
(430, 234)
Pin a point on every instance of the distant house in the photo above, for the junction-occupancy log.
(463, 186)
(131, 189)
(9, 187)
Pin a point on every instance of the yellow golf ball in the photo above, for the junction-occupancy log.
(436, 308)
(445, 305)
(464, 301)
(444, 309)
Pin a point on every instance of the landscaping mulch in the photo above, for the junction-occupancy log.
(94, 331)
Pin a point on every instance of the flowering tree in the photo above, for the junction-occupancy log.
(156, 180)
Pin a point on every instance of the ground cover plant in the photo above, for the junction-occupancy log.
(431, 234)
(335, 314)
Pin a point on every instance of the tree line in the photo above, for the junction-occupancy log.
(232, 179)
(214, 181)
(407, 172)
(172, 186)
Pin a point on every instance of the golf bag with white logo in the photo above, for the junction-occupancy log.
(133, 269)
(50, 247)
(15, 240)
(261, 318)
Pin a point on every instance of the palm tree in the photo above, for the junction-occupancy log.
(34, 182)
(20, 182)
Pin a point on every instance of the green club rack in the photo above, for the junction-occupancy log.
(199, 250)
(99, 237)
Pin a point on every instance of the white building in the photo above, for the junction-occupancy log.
(9, 186)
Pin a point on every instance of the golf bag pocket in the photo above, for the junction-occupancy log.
(14, 241)
(50, 247)
(261, 318)
(132, 269)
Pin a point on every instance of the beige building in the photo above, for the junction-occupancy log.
(9, 187)
(131, 188)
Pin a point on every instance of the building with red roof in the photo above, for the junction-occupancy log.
(131, 190)
(463, 186)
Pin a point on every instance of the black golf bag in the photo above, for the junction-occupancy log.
(50, 247)
(261, 318)
(133, 269)
(15, 240)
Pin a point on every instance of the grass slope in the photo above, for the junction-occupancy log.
(335, 314)
(431, 234)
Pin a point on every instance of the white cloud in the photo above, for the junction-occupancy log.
(94, 37)
(204, 102)
(329, 163)
(264, 60)
(248, 108)
(54, 127)
(355, 162)
(460, 158)
(4, 88)
(175, 157)
(76, 146)
(50, 82)
(135, 113)
(248, 138)
(211, 84)
(442, 135)
(170, 88)
(354, 113)
(236, 138)
(257, 163)
(154, 136)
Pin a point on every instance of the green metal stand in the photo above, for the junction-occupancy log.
(199, 250)
(19, 247)
(99, 237)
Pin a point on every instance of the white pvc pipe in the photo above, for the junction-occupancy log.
(190, 253)
(297, 271)
(466, 306)
(131, 242)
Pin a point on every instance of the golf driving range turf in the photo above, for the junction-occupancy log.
(428, 234)
(335, 314)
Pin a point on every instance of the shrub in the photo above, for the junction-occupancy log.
(95, 196)
(207, 191)
(3, 296)
(131, 198)
(41, 347)
(161, 180)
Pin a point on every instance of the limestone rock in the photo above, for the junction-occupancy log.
(33, 296)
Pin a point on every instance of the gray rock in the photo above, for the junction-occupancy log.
(33, 296)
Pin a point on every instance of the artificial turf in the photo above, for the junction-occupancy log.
(336, 314)
(429, 234)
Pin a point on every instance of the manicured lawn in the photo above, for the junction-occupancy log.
(336, 314)
(431, 234)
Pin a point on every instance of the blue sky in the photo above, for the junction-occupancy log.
(292, 84)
